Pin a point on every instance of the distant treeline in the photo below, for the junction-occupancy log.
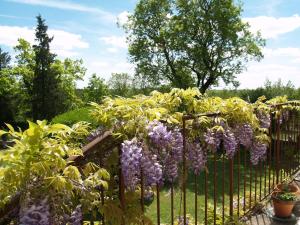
(269, 90)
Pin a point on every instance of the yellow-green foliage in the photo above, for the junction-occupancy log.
(130, 116)
(37, 164)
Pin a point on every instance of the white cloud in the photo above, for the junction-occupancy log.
(104, 67)
(64, 43)
(68, 5)
(107, 67)
(257, 74)
(112, 50)
(282, 52)
(66, 40)
(278, 63)
(115, 41)
(9, 35)
(291, 55)
(122, 18)
(272, 27)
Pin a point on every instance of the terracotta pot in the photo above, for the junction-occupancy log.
(293, 188)
(282, 209)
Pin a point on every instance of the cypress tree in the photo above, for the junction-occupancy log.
(45, 82)
(4, 59)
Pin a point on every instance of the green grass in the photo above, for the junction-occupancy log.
(222, 172)
(74, 116)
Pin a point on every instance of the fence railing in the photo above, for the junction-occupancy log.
(228, 189)
(231, 188)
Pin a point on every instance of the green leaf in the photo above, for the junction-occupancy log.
(2, 132)
(10, 127)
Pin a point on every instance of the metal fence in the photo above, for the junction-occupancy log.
(232, 188)
(228, 190)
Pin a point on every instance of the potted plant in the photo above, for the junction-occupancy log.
(286, 186)
(283, 203)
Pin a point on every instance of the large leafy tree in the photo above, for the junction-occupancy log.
(120, 84)
(68, 71)
(96, 89)
(191, 42)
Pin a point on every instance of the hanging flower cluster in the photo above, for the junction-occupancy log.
(160, 161)
(196, 156)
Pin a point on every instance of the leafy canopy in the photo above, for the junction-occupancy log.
(190, 43)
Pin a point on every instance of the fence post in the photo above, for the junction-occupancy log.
(184, 169)
(277, 149)
(231, 188)
(121, 186)
(142, 194)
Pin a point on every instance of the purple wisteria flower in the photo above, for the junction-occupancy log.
(131, 162)
(258, 152)
(152, 170)
(159, 134)
(264, 119)
(244, 134)
(213, 138)
(230, 143)
(76, 216)
(196, 156)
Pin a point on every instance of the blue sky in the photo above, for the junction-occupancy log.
(88, 29)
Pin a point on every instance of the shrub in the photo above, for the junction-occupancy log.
(71, 117)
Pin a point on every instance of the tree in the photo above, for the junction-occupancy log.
(45, 83)
(68, 72)
(95, 90)
(120, 84)
(191, 43)
(4, 59)
(7, 89)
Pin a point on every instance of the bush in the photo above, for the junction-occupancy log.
(71, 117)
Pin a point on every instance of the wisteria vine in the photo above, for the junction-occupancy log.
(160, 160)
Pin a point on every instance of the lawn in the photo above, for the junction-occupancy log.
(222, 175)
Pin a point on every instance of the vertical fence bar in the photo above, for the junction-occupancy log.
(270, 152)
(274, 152)
(231, 188)
(295, 135)
(142, 194)
(205, 198)
(286, 149)
(172, 203)
(298, 140)
(102, 202)
(265, 170)
(295, 161)
(121, 186)
(196, 200)
(255, 184)
(184, 169)
(285, 155)
(215, 187)
(223, 187)
(260, 179)
(282, 154)
(245, 182)
(250, 188)
(158, 204)
(277, 149)
(289, 138)
(238, 182)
